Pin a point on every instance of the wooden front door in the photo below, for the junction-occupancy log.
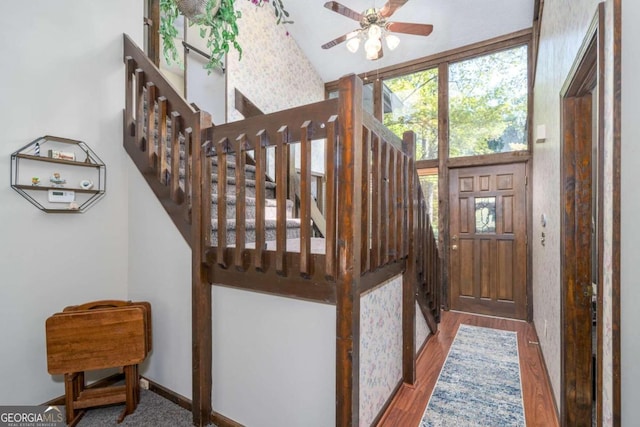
(488, 240)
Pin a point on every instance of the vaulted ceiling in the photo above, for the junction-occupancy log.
(456, 23)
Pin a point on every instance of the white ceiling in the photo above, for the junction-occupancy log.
(456, 23)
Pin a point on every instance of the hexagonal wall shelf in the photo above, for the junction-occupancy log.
(58, 175)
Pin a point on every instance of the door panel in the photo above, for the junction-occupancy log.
(488, 240)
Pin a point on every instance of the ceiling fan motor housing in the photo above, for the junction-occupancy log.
(371, 17)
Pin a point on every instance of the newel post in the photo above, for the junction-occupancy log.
(349, 210)
(409, 277)
(201, 328)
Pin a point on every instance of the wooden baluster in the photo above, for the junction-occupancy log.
(188, 146)
(176, 127)
(393, 212)
(425, 243)
(400, 208)
(151, 121)
(384, 203)
(281, 198)
(241, 145)
(161, 150)
(292, 180)
(206, 190)
(376, 213)
(140, 80)
(261, 171)
(129, 126)
(305, 199)
(366, 177)
(331, 195)
(221, 150)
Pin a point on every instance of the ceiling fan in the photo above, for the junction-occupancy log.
(374, 26)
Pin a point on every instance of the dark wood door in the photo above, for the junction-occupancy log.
(488, 240)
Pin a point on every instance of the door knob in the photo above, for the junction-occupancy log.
(454, 247)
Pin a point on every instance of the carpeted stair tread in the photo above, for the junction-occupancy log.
(250, 224)
(248, 201)
(231, 180)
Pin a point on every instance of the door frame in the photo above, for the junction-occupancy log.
(576, 184)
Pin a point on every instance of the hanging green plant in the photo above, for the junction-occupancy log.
(218, 22)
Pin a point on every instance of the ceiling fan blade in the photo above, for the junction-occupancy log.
(343, 10)
(409, 28)
(390, 7)
(339, 40)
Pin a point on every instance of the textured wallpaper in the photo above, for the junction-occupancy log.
(380, 347)
(607, 355)
(273, 72)
(564, 26)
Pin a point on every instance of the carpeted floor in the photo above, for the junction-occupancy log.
(152, 411)
(479, 384)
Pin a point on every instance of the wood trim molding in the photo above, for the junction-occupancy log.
(152, 22)
(577, 182)
(245, 106)
(443, 178)
(543, 364)
(373, 279)
(466, 52)
(185, 403)
(615, 262)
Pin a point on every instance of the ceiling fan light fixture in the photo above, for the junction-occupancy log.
(372, 47)
(372, 55)
(374, 31)
(353, 44)
(392, 41)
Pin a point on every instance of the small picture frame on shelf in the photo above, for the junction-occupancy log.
(62, 155)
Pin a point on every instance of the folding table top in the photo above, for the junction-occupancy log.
(97, 339)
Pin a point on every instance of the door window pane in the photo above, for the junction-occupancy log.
(411, 103)
(485, 215)
(488, 104)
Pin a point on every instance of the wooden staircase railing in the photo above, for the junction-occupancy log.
(145, 138)
(377, 225)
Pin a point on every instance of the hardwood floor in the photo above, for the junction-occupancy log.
(409, 404)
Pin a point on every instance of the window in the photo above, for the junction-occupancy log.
(488, 104)
(410, 102)
(429, 183)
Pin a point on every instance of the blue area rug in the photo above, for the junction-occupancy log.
(479, 384)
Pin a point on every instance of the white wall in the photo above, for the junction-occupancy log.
(160, 272)
(564, 26)
(630, 269)
(206, 90)
(61, 74)
(273, 359)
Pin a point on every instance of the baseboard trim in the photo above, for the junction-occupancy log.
(218, 419)
(170, 395)
(105, 382)
(222, 421)
(424, 344)
(546, 371)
